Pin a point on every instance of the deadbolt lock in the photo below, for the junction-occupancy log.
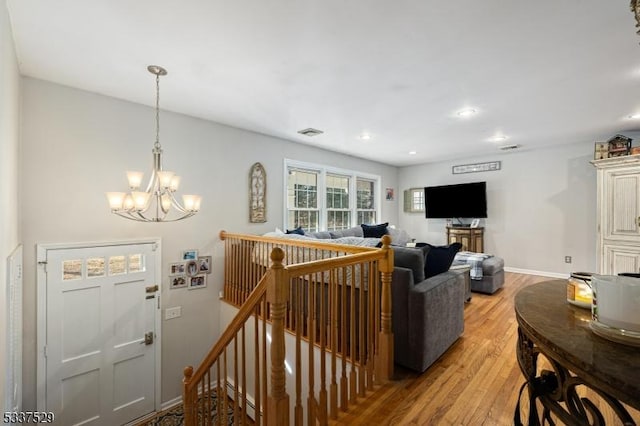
(148, 338)
(151, 289)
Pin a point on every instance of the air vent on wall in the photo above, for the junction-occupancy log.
(509, 147)
(310, 132)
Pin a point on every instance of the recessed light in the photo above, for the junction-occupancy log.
(365, 136)
(498, 138)
(413, 152)
(468, 112)
(634, 116)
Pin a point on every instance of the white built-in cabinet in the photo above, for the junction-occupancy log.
(618, 217)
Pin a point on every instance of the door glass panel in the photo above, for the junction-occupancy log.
(95, 267)
(136, 263)
(71, 270)
(117, 265)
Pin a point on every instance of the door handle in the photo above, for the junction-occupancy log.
(148, 338)
(638, 221)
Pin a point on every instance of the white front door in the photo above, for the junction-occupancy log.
(100, 357)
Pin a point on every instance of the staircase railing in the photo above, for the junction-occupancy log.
(337, 311)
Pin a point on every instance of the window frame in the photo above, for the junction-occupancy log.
(322, 171)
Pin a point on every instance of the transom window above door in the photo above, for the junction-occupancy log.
(324, 198)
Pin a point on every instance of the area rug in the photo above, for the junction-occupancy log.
(175, 416)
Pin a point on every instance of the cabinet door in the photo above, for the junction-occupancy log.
(622, 200)
(620, 258)
(464, 238)
(478, 241)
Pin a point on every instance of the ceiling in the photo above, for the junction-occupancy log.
(541, 73)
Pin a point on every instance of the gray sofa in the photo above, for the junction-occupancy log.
(427, 314)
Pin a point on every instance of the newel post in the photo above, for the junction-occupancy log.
(277, 296)
(384, 364)
(187, 398)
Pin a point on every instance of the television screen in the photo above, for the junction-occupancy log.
(466, 200)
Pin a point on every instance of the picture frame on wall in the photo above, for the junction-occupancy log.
(204, 264)
(389, 194)
(190, 254)
(199, 281)
(179, 281)
(176, 269)
(191, 268)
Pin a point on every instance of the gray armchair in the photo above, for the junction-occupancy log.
(428, 314)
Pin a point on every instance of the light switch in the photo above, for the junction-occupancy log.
(171, 313)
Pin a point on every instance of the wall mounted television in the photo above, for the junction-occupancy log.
(465, 200)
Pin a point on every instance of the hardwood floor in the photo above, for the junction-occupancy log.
(475, 382)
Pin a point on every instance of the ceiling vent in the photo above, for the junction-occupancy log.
(310, 132)
(509, 147)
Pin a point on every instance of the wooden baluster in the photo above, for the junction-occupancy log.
(236, 269)
(299, 414)
(222, 414)
(373, 283)
(352, 338)
(256, 365)
(206, 395)
(311, 321)
(344, 391)
(245, 268)
(236, 400)
(187, 397)
(362, 295)
(385, 349)
(333, 389)
(277, 294)
(218, 391)
(323, 347)
(243, 371)
(264, 360)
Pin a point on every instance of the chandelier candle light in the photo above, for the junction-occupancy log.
(156, 202)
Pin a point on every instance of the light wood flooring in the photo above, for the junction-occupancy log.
(475, 382)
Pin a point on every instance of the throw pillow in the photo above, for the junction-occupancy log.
(298, 231)
(374, 231)
(410, 258)
(439, 258)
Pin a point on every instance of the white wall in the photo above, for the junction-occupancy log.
(541, 207)
(9, 154)
(78, 145)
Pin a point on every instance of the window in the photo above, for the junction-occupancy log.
(324, 198)
(338, 213)
(302, 200)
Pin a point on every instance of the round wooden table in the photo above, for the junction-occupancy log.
(550, 326)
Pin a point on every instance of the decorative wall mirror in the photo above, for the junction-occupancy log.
(257, 194)
(414, 200)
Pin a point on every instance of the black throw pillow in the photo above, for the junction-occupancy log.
(439, 259)
(374, 231)
(298, 231)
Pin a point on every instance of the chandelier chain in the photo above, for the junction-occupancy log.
(157, 144)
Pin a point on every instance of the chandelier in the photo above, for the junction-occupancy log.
(157, 203)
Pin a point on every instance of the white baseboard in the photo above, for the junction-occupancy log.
(539, 273)
(168, 404)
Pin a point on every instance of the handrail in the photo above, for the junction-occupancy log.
(320, 244)
(314, 266)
